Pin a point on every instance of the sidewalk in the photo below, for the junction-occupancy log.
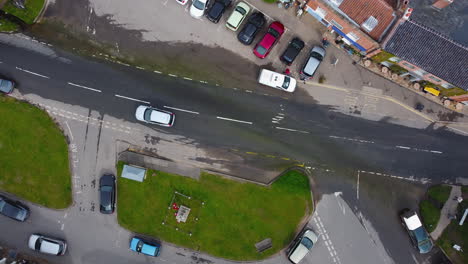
(450, 208)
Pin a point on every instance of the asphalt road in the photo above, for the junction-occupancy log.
(311, 133)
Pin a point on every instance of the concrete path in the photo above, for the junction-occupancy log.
(450, 208)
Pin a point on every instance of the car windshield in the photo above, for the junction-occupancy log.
(273, 32)
(307, 242)
(199, 4)
(147, 114)
(317, 56)
(261, 50)
(420, 234)
(286, 82)
(2, 204)
(241, 10)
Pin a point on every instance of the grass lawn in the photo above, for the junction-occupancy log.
(382, 56)
(7, 26)
(439, 193)
(233, 217)
(452, 91)
(456, 234)
(33, 7)
(430, 215)
(34, 155)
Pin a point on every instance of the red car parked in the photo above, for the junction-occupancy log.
(275, 30)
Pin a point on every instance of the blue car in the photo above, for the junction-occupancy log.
(141, 246)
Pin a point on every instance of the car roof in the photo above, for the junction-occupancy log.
(49, 246)
(311, 65)
(300, 250)
(147, 248)
(267, 41)
(159, 116)
(412, 222)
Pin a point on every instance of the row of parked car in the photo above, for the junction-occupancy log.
(255, 23)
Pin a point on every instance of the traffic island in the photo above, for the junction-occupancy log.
(224, 217)
(34, 161)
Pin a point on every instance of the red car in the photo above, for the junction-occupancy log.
(275, 30)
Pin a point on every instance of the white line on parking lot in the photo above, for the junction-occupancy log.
(133, 99)
(234, 120)
(293, 130)
(85, 87)
(33, 73)
(183, 110)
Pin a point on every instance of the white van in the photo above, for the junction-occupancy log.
(277, 80)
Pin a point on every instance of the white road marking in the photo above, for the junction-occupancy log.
(436, 151)
(354, 139)
(158, 72)
(172, 75)
(69, 130)
(248, 91)
(33, 73)
(357, 189)
(65, 215)
(186, 78)
(411, 178)
(62, 227)
(293, 130)
(141, 68)
(133, 99)
(183, 110)
(234, 120)
(85, 87)
(403, 147)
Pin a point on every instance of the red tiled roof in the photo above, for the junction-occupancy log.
(361, 10)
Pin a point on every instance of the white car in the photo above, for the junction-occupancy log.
(156, 116)
(182, 2)
(198, 8)
(277, 80)
(47, 245)
(302, 246)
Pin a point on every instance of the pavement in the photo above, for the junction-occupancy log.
(449, 209)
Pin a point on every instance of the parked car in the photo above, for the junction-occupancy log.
(47, 245)
(182, 2)
(277, 80)
(142, 246)
(237, 16)
(416, 231)
(264, 46)
(251, 28)
(107, 194)
(312, 62)
(198, 7)
(291, 52)
(13, 209)
(6, 86)
(156, 116)
(302, 246)
(216, 11)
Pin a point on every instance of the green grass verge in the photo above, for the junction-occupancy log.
(456, 234)
(34, 155)
(452, 91)
(232, 219)
(7, 26)
(440, 193)
(382, 56)
(430, 215)
(33, 7)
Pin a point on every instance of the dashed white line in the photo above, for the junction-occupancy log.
(158, 72)
(187, 78)
(183, 110)
(141, 68)
(172, 75)
(133, 99)
(33, 73)
(84, 87)
(293, 130)
(234, 120)
(248, 91)
(62, 227)
(403, 147)
(357, 189)
(436, 151)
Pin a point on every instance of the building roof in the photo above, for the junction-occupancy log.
(361, 10)
(133, 173)
(431, 51)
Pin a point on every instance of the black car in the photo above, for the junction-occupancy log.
(291, 52)
(107, 194)
(14, 210)
(251, 28)
(217, 10)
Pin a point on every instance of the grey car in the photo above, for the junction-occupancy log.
(312, 62)
(14, 210)
(107, 194)
(6, 86)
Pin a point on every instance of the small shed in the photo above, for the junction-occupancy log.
(134, 173)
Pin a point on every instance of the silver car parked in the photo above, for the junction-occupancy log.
(312, 62)
(302, 246)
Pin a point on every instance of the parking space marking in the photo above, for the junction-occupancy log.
(132, 99)
(182, 110)
(234, 120)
